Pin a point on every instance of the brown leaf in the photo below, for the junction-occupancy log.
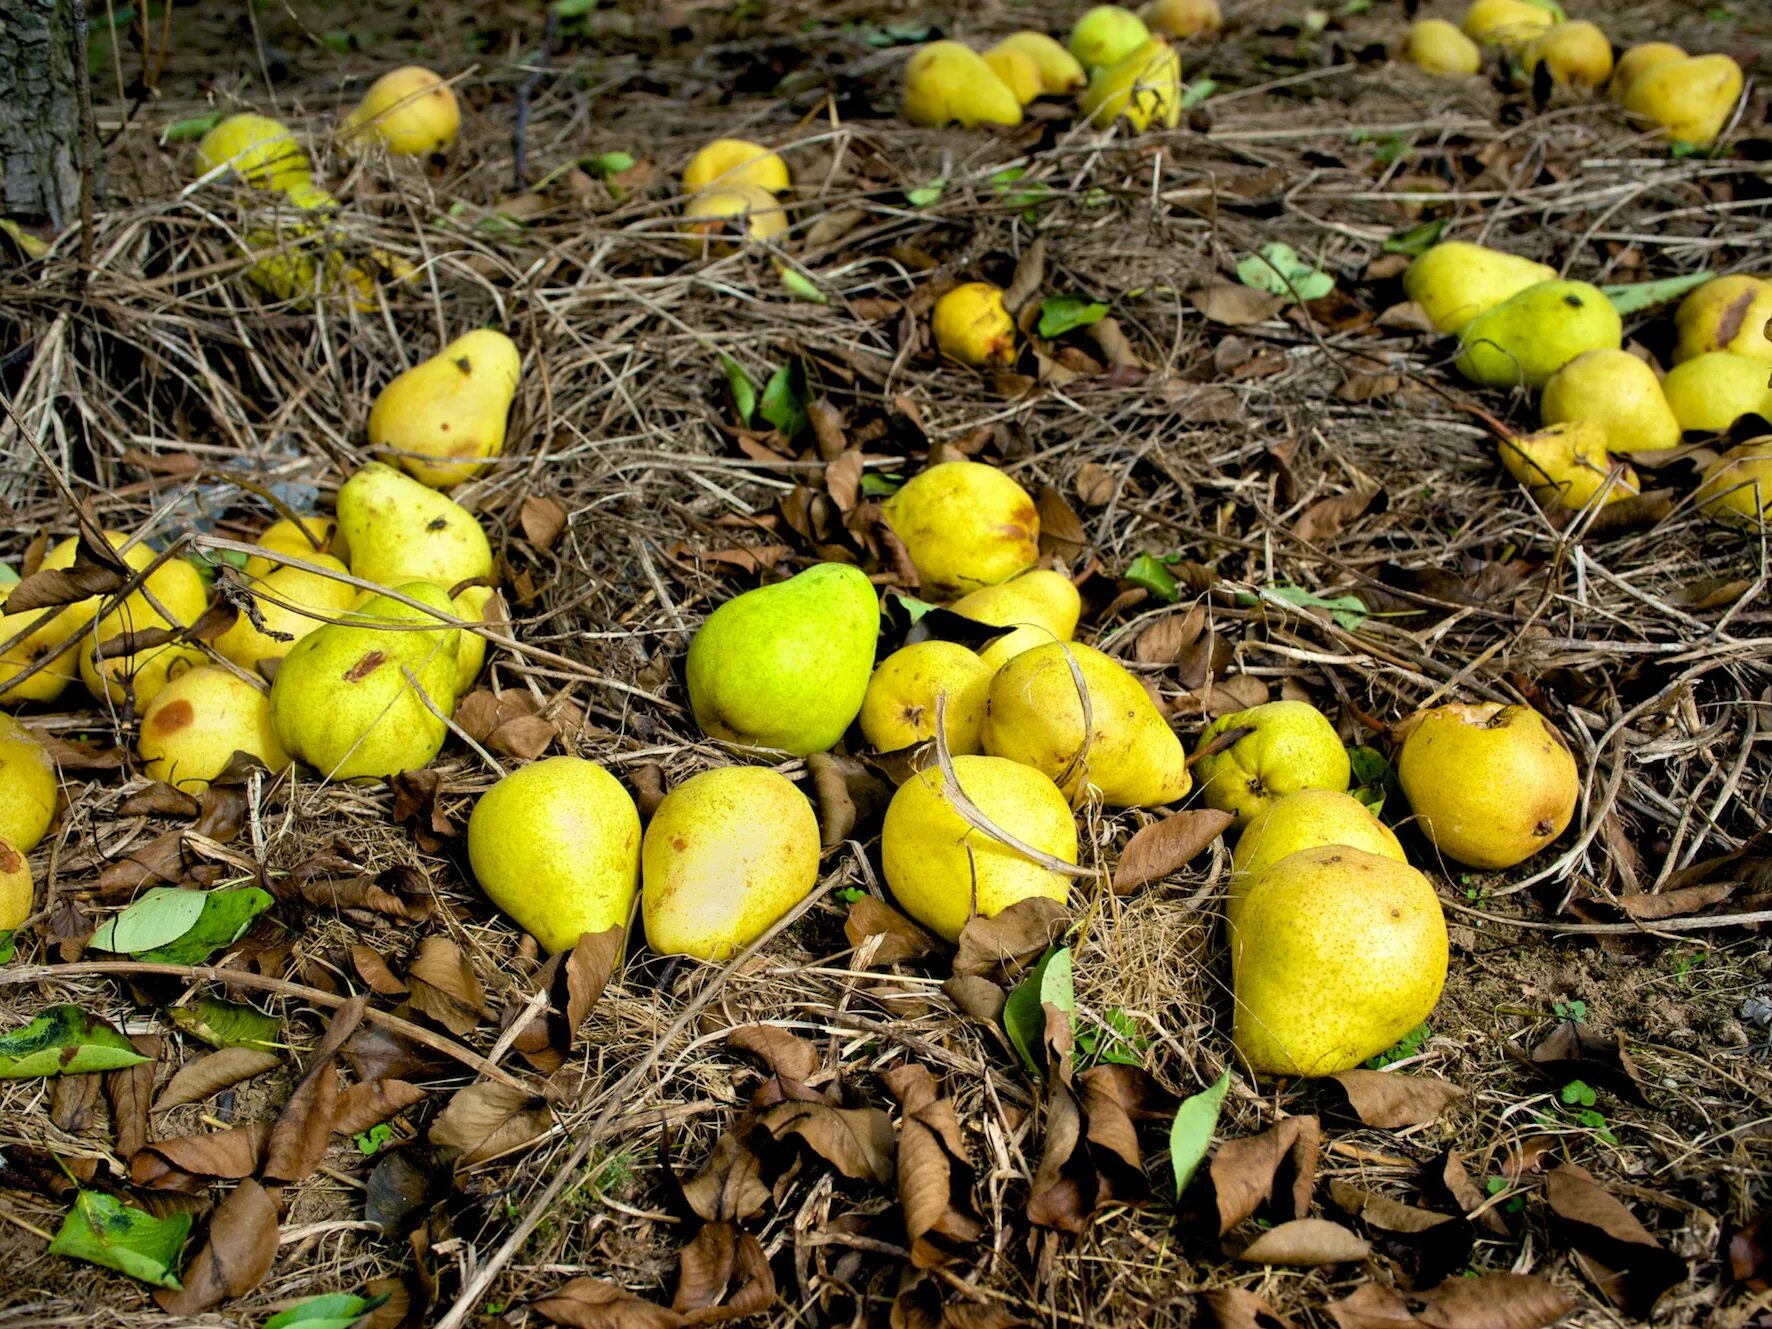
(443, 986)
(197, 1080)
(1382, 1211)
(935, 1176)
(1573, 1052)
(1386, 1099)
(899, 938)
(842, 480)
(722, 1274)
(1164, 640)
(173, 1164)
(304, 1128)
(542, 519)
(1235, 304)
(590, 964)
(1359, 386)
(415, 807)
(72, 755)
(978, 997)
(855, 1141)
(240, 1250)
(1167, 846)
(592, 1303)
(73, 1099)
(509, 722)
(1277, 1168)
(365, 892)
(1005, 945)
(920, 1306)
(130, 1091)
(376, 1053)
(849, 795)
(730, 1185)
(1061, 530)
(1095, 484)
(374, 971)
(1450, 1179)
(1325, 519)
(488, 1119)
(365, 1105)
(1235, 1308)
(1750, 1255)
(827, 428)
(1622, 1257)
(159, 800)
(49, 587)
(1488, 1301)
(1306, 1242)
(1092, 1157)
(785, 1054)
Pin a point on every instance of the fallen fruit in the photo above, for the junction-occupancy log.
(1040, 605)
(125, 656)
(971, 325)
(1529, 336)
(964, 525)
(290, 602)
(317, 534)
(1105, 35)
(1710, 392)
(1510, 24)
(1725, 314)
(442, 420)
(1617, 392)
(473, 605)
(1059, 71)
(1737, 487)
(899, 708)
(726, 216)
(197, 722)
(736, 161)
(27, 786)
(947, 83)
(1142, 88)
(1691, 99)
(399, 530)
(1293, 747)
(1576, 55)
(260, 151)
(1438, 47)
(1455, 281)
(48, 682)
(1306, 819)
(1182, 18)
(409, 111)
(1640, 59)
(1568, 466)
(1018, 71)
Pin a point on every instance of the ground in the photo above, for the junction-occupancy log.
(1321, 453)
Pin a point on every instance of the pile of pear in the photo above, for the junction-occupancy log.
(733, 189)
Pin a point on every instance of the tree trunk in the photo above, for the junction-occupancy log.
(42, 129)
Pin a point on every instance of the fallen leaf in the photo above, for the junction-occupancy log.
(899, 938)
(490, 1119)
(592, 1303)
(785, 1054)
(365, 892)
(849, 795)
(935, 1176)
(73, 1099)
(1234, 304)
(730, 1185)
(1164, 641)
(978, 997)
(183, 1161)
(1750, 1255)
(197, 1080)
(856, 1141)
(1092, 1157)
(1325, 519)
(239, 1252)
(1095, 484)
(1277, 1167)
(1061, 531)
(365, 1105)
(1235, 1308)
(1388, 1100)
(920, 1306)
(1571, 1051)
(416, 808)
(1306, 1242)
(1424, 1246)
(1624, 1259)
(509, 722)
(1008, 943)
(542, 519)
(1488, 1301)
(842, 480)
(443, 986)
(373, 969)
(48, 588)
(1360, 387)
(1450, 1179)
(1167, 846)
(109, 1233)
(130, 1092)
(722, 1274)
(402, 1182)
(304, 1128)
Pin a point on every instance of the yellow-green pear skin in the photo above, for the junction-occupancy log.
(113, 668)
(49, 682)
(1528, 337)
(1040, 605)
(736, 161)
(1455, 281)
(943, 870)
(1293, 747)
(964, 525)
(1059, 71)
(1182, 18)
(1437, 47)
(784, 668)
(1737, 486)
(1306, 819)
(259, 150)
(342, 701)
(441, 421)
(197, 722)
(726, 855)
(1725, 314)
(316, 534)
(1143, 88)
(281, 597)
(476, 604)
(1567, 465)
(1619, 393)
(1577, 55)
(1510, 24)
(27, 786)
(399, 530)
(1710, 392)
(556, 845)
(1335, 956)
(1691, 100)
(409, 111)
(1107, 34)
(1131, 758)
(899, 708)
(1640, 59)
(947, 83)
(1490, 785)
(971, 324)
(1018, 71)
(15, 887)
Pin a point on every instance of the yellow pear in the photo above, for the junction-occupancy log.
(942, 869)
(1619, 393)
(1041, 605)
(1691, 100)
(899, 708)
(1105, 35)
(1018, 71)
(1640, 59)
(1438, 47)
(1710, 392)
(1143, 88)
(411, 112)
(15, 888)
(971, 325)
(1578, 55)
(27, 786)
(281, 599)
(1737, 486)
(1335, 956)
(1293, 747)
(1059, 71)
(476, 604)
(1182, 18)
(727, 213)
(1306, 819)
(1528, 337)
(1725, 314)
(1489, 784)
(260, 151)
(1567, 465)
(1455, 281)
(736, 161)
(964, 525)
(48, 682)
(726, 855)
(399, 530)
(1130, 757)
(441, 421)
(1510, 24)
(316, 534)
(197, 722)
(120, 661)
(947, 83)
(556, 845)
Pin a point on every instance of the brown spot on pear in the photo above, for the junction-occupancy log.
(173, 716)
(367, 665)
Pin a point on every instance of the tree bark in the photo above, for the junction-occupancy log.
(42, 129)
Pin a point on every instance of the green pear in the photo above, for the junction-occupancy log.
(27, 785)
(1303, 819)
(1710, 392)
(785, 667)
(399, 530)
(1618, 392)
(1106, 35)
(441, 421)
(1293, 747)
(1528, 337)
(344, 699)
(1455, 281)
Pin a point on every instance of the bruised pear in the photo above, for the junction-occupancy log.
(947, 83)
(400, 530)
(27, 786)
(1691, 100)
(1438, 47)
(964, 525)
(1567, 465)
(1528, 337)
(1617, 392)
(1058, 68)
(1731, 314)
(970, 324)
(736, 161)
(1142, 88)
(197, 722)
(16, 890)
(410, 111)
(1737, 486)
(260, 151)
(441, 421)
(1455, 281)
(1710, 392)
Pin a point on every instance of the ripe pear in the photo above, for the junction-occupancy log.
(1035, 716)
(260, 151)
(1041, 605)
(1726, 314)
(785, 667)
(15, 888)
(726, 215)
(1690, 99)
(1578, 55)
(1059, 71)
(27, 786)
(1619, 393)
(476, 604)
(726, 855)
(1455, 281)
(971, 325)
(1737, 486)
(316, 534)
(736, 161)
(1710, 392)
(399, 530)
(48, 682)
(119, 661)
(1490, 785)
(556, 845)
(1640, 59)
(1510, 24)
(281, 599)
(1106, 35)
(342, 699)
(945, 82)
(1018, 71)
(1307, 819)
(1335, 956)
(1182, 18)
(1530, 336)
(942, 869)
(899, 708)
(1438, 47)
(1567, 466)
(410, 111)
(1142, 88)
(1293, 747)
(964, 525)
(197, 722)
(441, 421)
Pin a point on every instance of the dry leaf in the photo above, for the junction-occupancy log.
(180, 1163)
(1622, 1257)
(1164, 641)
(1386, 1099)
(366, 893)
(304, 1127)
(1750, 1255)
(856, 1141)
(1488, 1301)
(489, 1119)
(848, 793)
(197, 1080)
(1277, 1168)
(443, 986)
(1095, 484)
(374, 971)
(73, 1099)
(130, 1091)
(239, 1252)
(542, 519)
(592, 1303)
(1003, 946)
(1306, 1242)
(365, 1105)
(978, 997)
(1235, 1308)
(1235, 304)
(899, 938)
(1092, 1158)
(785, 1054)
(842, 480)
(1167, 846)
(509, 722)
(1325, 519)
(722, 1274)
(1061, 530)
(935, 1176)
(49, 587)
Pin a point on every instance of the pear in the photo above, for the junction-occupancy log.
(27, 786)
(399, 530)
(736, 161)
(1130, 758)
(1567, 466)
(260, 151)
(1293, 747)
(280, 600)
(48, 682)
(1142, 88)
(1619, 393)
(1182, 18)
(315, 534)
(1690, 99)
(1438, 47)
(726, 214)
(1306, 819)
(943, 870)
(1737, 486)
(1059, 71)
(785, 667)
(344, 698)
(1489, 784)
(1106, 35)
(1041, 605)
(1510, 24)
(556, 845)
(1530, 336)
(1018, 71)
(120, 659)
(1709, 393)
(1577, 55)
(726, 855)
(971, 325)
(410, 111)
(476, 604)
(964, 525)
(441, 421)
(197, 722)
(15, 888)
(899, 708)
(1455, 281)
(945, 83)
(1726, 314)
(1640, 59)
(1336, 955)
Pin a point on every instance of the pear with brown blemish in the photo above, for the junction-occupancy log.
(197, 722)
(443, 420)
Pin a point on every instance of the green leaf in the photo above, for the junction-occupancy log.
(1024, 1014)
(64, 1040)
(1277, 269)
(375, 1139)
(1369, 764)
(104, 1231)
(1148, 571)
(1060, 314)
(1638, 296)
(8, 574)
(913, 607)
(784, 399)
(1348, 611)
(928, 194)
(8, 946)
(1197, 91)
(336, 1310)
(572, 8)
(228, 1024)
(801, 286)
(744, 396)
(1190, 1134)
(612, 163)
(1115, 1039)
(1416, 240)
(196, 126)
(1404, 1048)
(875, 485)
(159, 916)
